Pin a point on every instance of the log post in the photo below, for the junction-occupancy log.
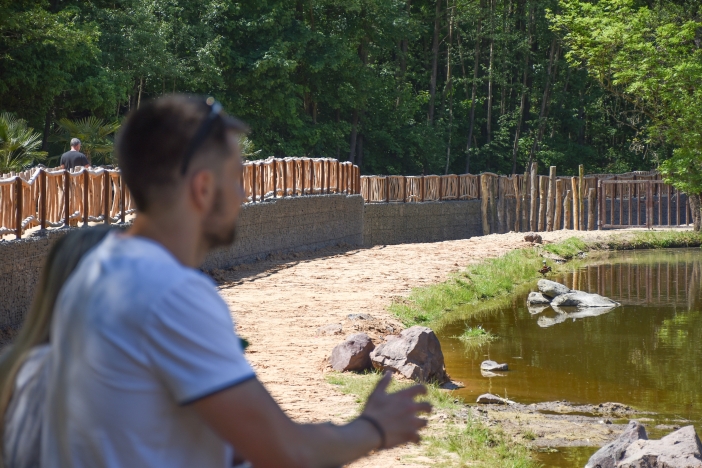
(387, 189)
(66, 196)
(253, 182)
(294, 177)
(524, 215)
(517, 203)
(321, 177)
(550, 203)
(501, 215)
(581, 197)
(275, 178)
(18, 207)
(543, 188)
(574, 195)
(534, 194)
(441, 195)
(558, 218)
(285, 178)
(591, 209)
(484, 205)
(404, 189)
(86, 185)
(338, 176)
(328, 162)
(312, 184)
(567, 207)
(42, 198)
(421, 189)
(106, 197)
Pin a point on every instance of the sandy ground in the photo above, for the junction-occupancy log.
(280, 303)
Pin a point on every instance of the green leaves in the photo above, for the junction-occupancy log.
(94, 134)
(19, 144)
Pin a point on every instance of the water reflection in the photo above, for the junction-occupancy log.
(646, 353)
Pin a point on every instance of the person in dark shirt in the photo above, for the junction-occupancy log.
(74, 158)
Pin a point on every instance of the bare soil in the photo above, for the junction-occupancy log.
(280, 304)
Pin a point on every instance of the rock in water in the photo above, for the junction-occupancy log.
(680, 449)
(490, 399)
(492, 366)
(551, 288)
(612, 453)
(582, 299)
(536, 298)
(353, 354)
(416, 354)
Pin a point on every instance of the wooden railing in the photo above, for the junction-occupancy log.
(52, 198)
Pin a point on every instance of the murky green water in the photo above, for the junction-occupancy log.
(646, 353)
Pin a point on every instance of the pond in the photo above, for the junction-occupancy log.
(646, 353)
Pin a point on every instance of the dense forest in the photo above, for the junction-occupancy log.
(396, 86)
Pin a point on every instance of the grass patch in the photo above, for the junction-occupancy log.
(656, 240)
(568, 248)
(461, 440)
(475, 336)
(494, 278)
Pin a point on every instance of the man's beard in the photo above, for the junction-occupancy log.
(224, 236)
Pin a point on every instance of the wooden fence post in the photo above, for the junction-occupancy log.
(275, 178)
(321, 178)
(285, 178)
(484, 198)
(501, 215)
(543, 189)
(42, 198)
(107, 196)
(574, 195)
(66, 195)
(421, 188)
(86, 185)
(550, 203)
(558, 218)
(253, 182)
(404, 189)
(517, 203)
(263, 182)
(328, 162)
(387, 189)
(338, 176)
(581, 197)
(18, 207)
(312, 185)
(567, 206)
(591, 209)
(524, 215)
(534, 187)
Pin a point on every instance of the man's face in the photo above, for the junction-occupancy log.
(219, 225)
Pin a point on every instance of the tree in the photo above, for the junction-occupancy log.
(20, 146)
(94, 134)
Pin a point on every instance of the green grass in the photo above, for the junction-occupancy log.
(460, 440)
(493, 278)
(655, 240)
(475, 336)
(568, 248)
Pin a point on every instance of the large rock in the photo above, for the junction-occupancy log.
(492, 366)
(582, 299)
(680, 449)
(416, 354)
(353, 354)
(536, 298)
(551, 288)
(612, 453)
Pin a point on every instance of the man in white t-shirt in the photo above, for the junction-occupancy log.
(146, 369)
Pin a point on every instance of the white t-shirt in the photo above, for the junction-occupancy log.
(136, 336)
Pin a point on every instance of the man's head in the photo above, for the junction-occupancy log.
(75, 144)
(179, 152)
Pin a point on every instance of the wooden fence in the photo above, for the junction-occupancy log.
(532, 202)
(52, 198)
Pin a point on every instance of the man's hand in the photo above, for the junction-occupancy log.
(396, 413)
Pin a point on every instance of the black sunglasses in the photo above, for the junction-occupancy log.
(202, 132)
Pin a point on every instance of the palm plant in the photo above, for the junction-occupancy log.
(94, 134)
(19, 145)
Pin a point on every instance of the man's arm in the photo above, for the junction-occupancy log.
(249, 419)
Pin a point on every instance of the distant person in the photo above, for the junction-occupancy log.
(146, 367)
(23, 364)
(74, 158)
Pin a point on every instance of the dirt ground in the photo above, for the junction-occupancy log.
(280, 304)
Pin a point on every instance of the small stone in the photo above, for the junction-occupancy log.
(331, 329)
(353, 354)
(490, 399)
(492, 366)
(551, 288)
(537, 298)
(359, 317)
(582, 299)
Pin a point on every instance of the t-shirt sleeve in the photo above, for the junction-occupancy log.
(191, 343)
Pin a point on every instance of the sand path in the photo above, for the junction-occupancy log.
(280, 303)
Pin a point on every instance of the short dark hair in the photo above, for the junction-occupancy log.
(153, 140)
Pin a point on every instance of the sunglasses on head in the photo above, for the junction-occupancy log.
(202, 132)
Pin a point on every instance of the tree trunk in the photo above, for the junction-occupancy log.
(404, 44)
(522, 107)
(359, 148)
(354, 129)
(434, 62)
(47, 130)
(449, 83)
(544, 102)
(492, 55)
(695, 207)
(471, 125)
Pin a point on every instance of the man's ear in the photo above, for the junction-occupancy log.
(202, 188)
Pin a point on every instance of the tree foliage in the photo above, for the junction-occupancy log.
(397, 86)
(94, 135)
(19, 144)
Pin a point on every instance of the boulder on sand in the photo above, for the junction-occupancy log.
(612, 453)
(680, 449)
(492, 366)
(416, 354)
(536, 298)
(582, 299)
(353, 354)
(551, 288)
